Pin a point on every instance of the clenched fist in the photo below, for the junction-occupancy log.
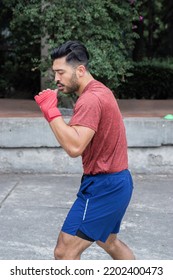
(48, 101)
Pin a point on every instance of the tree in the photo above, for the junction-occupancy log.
(153, 68)
(104, 26)
(21, 46)
(155, 29)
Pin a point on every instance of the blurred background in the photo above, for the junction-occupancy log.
(130, 44)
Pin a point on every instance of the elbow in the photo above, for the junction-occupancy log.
(74, 152)
(72, 155)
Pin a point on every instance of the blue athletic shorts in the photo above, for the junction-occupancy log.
(100, 205)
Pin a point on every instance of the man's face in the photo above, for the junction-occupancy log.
(65, 76)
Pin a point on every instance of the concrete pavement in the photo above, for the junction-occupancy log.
(33, 207)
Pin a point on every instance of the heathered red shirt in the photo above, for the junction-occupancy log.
(97, 109)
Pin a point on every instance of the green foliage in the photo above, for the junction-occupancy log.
(155, 30)
(105, 27)
(21, 44)
(150, 80)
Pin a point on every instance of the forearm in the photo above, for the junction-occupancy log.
(67, 136)
(74, 139)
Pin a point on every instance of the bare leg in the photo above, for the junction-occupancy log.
(116, 248)
(70, 247)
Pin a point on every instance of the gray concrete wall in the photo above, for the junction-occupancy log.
(28, 145)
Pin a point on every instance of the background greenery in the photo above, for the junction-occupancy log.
(130, 43)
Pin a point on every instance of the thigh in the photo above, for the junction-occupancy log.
(71, 245)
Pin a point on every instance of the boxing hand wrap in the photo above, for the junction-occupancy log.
(47, 101)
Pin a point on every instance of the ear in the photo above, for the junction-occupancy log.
(81, 70)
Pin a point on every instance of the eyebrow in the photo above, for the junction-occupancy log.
(58, 70)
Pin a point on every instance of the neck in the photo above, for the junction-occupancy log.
(88, 78)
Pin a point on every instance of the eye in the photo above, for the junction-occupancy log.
(60, 72)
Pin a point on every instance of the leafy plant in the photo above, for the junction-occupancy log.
(105, 27)
(150, 80)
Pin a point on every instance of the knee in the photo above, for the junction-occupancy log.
(58, 253)
(63, 253)
(60, 249)
(110, 245)
(114, 245)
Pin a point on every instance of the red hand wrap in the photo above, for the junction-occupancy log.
(47, 101)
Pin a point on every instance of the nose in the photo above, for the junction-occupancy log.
(57, 77)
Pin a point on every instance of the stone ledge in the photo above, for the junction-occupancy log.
(55, 160)
(36, 133)
(148, 132)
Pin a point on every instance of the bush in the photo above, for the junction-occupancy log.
(105, 27)
(150, 80)
(20, 45)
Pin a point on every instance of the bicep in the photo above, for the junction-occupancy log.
(85, 135)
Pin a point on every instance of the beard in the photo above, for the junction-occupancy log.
(73, 86)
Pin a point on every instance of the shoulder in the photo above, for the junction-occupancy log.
(95, 92)
(97, 87)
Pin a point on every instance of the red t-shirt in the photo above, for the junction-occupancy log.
(97, 109)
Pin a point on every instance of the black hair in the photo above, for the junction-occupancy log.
(74, 51)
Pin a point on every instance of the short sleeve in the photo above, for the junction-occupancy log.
(87, 112)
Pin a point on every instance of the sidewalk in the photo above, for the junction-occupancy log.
(33, 207)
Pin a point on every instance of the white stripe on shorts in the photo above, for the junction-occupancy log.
(86, 206)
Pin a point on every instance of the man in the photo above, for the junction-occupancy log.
(96, 132)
